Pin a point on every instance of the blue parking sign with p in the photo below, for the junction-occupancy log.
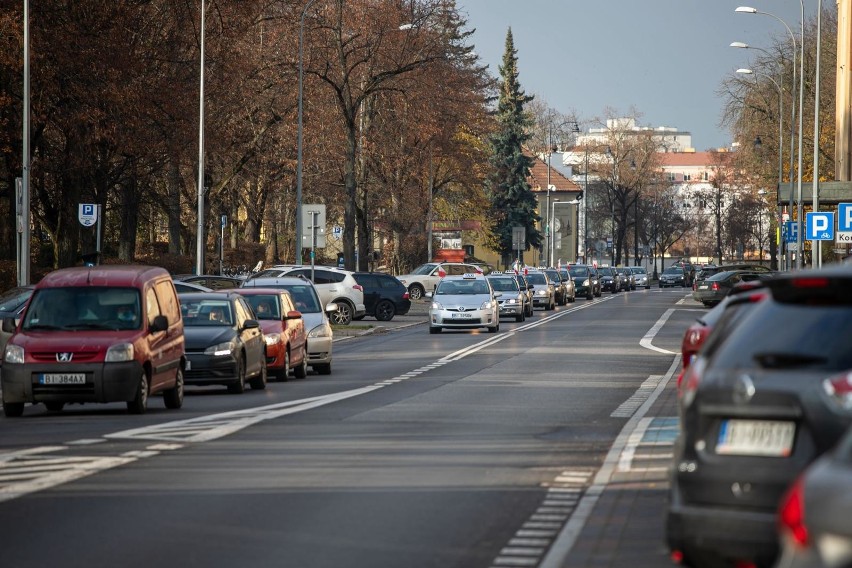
(819, 226)
(791, 232)
(844, 217)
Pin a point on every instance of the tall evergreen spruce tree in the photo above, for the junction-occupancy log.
(513, 203)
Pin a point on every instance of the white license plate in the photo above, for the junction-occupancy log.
(756, 438)
(462, 316)
(703, 287)
(62, 379)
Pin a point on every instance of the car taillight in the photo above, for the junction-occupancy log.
(688, 383)
(805, 282)
(839, 390)
(715, 287)
(358, 287)
(405, 296)
(791, 515)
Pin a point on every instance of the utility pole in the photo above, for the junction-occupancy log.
(843, 98)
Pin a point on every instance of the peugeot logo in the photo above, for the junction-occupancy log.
(462, 308)
(743, 389)
(64, 357)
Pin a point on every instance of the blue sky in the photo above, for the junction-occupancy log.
(665, 58)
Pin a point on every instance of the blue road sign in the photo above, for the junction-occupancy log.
(791, 232)
(844, 217)
(819, 226)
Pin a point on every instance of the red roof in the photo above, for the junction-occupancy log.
(538, 178)
(697, 159)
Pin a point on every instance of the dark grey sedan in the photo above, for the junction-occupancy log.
(714, 289)
(224, 342)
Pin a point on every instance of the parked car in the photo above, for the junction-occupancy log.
(640, 275)
(212, 281)
(425, 277)
(709, 270)
(529, 290)
(586, 280)
(673, 276)
(628, 280)
(512, 301)
(334, 286)
(813, 519)
(96, 334)
(754, 412)
(12, 303)
(714, 289)
(464, 302)
(184, 287)
(544, 293)
(384, 295)
(610, 279)
(224, 341)
(283, 331)
(306, 298)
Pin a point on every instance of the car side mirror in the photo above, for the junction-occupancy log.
(251, 324)
(293, 315)
(9, 325)
(530, 287)
(330, 308)
(498, 294)
(160, 323)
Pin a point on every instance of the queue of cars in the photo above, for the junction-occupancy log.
(761, 468)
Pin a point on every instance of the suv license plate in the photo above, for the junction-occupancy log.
(462, 316)
(62, 379)
(772, 438)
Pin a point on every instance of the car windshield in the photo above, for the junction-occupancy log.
(84, 308)
(462, 288)
(508, 284)
(536, 278)
(304, 298)
(673, 270)
(578, 271)
(424, 269)
(206, 312)
(265, 306)
(553, 275)
(638, 270)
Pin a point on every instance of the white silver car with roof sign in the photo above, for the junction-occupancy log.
(464, 302)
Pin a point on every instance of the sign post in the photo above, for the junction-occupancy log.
(519, 241)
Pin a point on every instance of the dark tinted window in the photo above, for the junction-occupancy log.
(367, 280)
(536, 278)
(788, 335)
(11, 299)
(578, 271)
(390, 282)
(504, 284)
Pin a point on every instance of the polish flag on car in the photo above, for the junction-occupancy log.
(441, 272)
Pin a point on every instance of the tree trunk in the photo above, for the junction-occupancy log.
(173, 208)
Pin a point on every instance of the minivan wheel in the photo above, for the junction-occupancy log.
(13, 409)
(416, 291)
(240, 386)
(259, 382)
(302, 370)
(173, 398)
(284, 374)
(54, 406)
(385, 310)
(343, 315)
(140, 401)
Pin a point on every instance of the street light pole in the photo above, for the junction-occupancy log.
(816, 261)
(749, 10)
(200, 239)
(299, 134)
(24, 227)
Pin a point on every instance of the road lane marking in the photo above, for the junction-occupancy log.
(629, 406)
(569, 534)
(646, 341)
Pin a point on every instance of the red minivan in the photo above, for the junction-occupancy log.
(96, 334)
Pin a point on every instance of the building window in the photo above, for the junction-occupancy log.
(672, 176)
(687, 177)
(705, 176)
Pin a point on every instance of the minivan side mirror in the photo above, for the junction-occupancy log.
(160, 323)
(9, 325)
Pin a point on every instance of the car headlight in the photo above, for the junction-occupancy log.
(437, 306)
(220, 350)
(272, 338)
(322, 330)
(486, 305)
(585, 282)
(119, 352)
(13, 354)
(512, 301)
(542, 292)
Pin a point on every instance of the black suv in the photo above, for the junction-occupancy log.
(384, 295)
(764, 398)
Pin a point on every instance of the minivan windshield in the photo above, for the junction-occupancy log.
(83, 308)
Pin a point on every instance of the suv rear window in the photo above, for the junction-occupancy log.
(816, 337)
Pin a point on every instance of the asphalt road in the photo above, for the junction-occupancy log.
(522, 448)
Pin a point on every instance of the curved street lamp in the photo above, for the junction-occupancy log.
(750, 10)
